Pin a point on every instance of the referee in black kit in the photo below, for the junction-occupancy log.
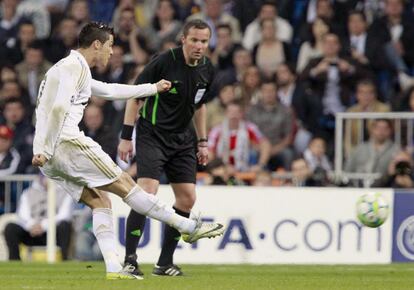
(165, 136)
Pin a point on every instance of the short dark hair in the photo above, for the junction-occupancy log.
(366, 82)
(13, 100)
(224, 26)
(36, 44)
(358, 12)
(269, 3)
(196, 23)
(94, 31)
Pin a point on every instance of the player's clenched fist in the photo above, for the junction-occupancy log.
(39, 160)
(163, 86)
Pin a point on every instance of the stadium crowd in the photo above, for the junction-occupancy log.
(283, 70)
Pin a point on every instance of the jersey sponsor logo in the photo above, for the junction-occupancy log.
(199, 95)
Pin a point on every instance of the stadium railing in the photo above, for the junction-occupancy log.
(344, 130)
(11, 187)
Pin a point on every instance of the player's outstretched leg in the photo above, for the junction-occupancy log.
(151, 206)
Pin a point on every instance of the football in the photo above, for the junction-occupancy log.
(372, 209)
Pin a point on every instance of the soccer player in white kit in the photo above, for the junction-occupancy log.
(78, 164)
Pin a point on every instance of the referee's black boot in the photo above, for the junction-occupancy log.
(131, 265)
(169, 270)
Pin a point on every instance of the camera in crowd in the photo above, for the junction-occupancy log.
(403, 168)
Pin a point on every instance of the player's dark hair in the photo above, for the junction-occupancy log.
(94, 31)
(196, 23)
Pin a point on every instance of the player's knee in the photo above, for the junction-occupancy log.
(149, 185)
(186, 202)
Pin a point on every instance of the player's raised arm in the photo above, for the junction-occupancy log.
(120, 91)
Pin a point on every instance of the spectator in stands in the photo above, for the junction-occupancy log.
(79, 10)
(276, 122)
(312, 48)
(324, 9)
(213, 14)
(315, 156)
(248, 90)
(217, 107)
(32, 222)
(93, 126)
(15, 118)
(242, 59)
(237, 141)
(374, 155)
(268, 10)
(10, 21)
(331, 79)
(38, 14)
(372, 9)
(9, 89)
(293, 95)
(396, 33)
(367, 101)
(362, 44)
(64, 39)
(164, 27)
(132, 39)
(220, 174)
(32, 70)
(9, 157)
(270, 51)
(222, 55)
(7, 73)
(86, 245)
(14, 50)
(302, 174)
(185, 8)
(263, 178)
(400, 172)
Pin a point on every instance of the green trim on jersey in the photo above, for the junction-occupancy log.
(154, 109)
(173, 54)
(144, 109)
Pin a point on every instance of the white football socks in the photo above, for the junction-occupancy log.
(103, 230)
(149, 205)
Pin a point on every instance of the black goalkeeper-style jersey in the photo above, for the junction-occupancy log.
(173, 111)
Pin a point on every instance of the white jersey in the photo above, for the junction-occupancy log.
(63, 96)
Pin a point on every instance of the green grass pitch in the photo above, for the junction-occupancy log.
(85, 276)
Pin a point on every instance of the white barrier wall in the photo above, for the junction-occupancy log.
(272, 225)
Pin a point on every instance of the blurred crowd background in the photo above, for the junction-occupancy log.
(283, 70)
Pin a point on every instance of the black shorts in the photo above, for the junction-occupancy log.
(173, 153)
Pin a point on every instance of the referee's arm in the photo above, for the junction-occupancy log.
(200, 120)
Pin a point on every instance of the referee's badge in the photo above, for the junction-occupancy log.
(199, 95)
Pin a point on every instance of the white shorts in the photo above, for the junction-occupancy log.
(78, 163)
